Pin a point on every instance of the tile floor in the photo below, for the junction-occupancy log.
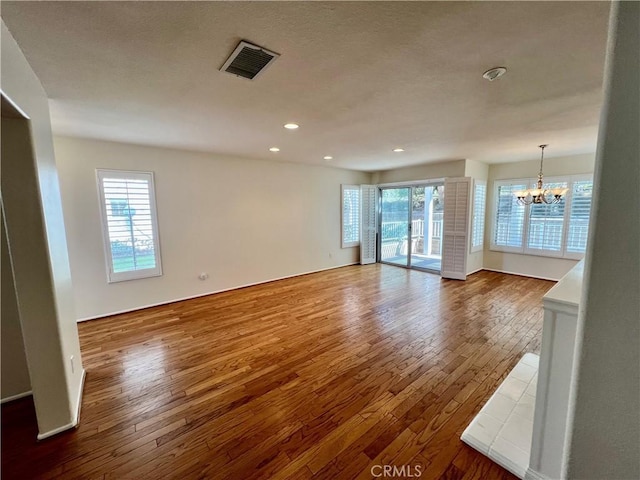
(502, 430)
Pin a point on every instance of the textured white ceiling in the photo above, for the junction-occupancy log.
(359, 77)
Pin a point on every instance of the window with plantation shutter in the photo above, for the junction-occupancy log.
(509, 217)
(580, 211)
(350, 215)
(479, 202)
(555, 230)
(546, 225)
(130, 227)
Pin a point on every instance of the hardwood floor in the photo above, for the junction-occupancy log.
(321, 376)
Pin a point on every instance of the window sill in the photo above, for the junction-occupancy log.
(571, 256)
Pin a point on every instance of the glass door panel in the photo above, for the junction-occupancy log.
(426, 227)
(395, 243)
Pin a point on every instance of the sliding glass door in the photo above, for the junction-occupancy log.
(426, 223)
(411, 226)
(394, 226)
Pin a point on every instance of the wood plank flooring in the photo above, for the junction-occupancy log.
(322, 376)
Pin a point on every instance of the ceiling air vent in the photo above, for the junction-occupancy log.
(248, 60)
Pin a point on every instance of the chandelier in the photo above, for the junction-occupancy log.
(540, 194)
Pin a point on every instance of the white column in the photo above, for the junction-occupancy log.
(38, 247)
(604, 417)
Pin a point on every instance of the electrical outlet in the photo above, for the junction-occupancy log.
(73, 367)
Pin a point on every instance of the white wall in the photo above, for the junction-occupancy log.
(531, 265)
(605, 425)
(241, 221)
(38, 247)
(477, 171)
(15, 373)
(454, 168)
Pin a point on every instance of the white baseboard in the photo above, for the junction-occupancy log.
(453, 276)
(181, 299)
(16, 397)
(520, 274)
(76, 415)
(55, 431)
(475, 271)
(76, 418)
(533, 475)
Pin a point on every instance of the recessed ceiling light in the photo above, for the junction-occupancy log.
(274, 149)
(291, 126)
(398, 150)
(493, 73)
(328, 157)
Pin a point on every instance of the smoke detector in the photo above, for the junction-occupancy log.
(248, 60)
(493, 73)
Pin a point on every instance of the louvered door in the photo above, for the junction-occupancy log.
(368, 223)
(455, 228)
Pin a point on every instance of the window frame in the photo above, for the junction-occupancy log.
(343, 188)
(524, 249)
(573, 179)
(494, 220)
(473, 248)
(541, 252)
(115, 277)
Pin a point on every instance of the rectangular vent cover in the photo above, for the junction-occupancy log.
(248, 60)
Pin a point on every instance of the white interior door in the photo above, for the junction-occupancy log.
(368, 223)
(457, 193)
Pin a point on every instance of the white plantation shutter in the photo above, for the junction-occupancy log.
(579, 213)
(130, 230)
(546, 225)
(508, 233)
(350, 215)
(368, 226)
(455, 227)
(479, 208)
